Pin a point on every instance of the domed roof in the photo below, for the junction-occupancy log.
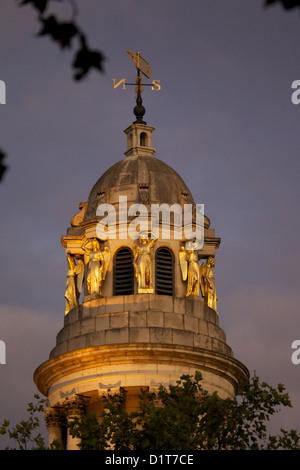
(142, 179)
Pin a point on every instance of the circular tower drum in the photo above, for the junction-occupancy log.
(140, 293)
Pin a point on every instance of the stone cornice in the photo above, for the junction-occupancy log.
(48, 373)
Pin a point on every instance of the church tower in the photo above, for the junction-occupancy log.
(140, 310)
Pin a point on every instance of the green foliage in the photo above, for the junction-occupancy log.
(186, 417)
(169, 419)
(117, 429)
(87, 427)
(182, 416)
(25, 434)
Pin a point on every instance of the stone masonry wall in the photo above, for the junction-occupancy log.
(142, 318)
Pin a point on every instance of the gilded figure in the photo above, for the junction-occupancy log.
(188, 260)
(142, 261)
(208, 284)
(74, 282)
(97, 262)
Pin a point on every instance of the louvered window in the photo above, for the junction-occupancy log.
(123, 272)
(164, 271)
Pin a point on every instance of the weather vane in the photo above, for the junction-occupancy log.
(143, 67)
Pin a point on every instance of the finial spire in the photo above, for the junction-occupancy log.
(139, 109)
(141, 66)
(144, 68)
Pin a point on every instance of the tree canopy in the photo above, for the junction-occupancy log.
(184, 416)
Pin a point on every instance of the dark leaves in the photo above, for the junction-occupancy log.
(86, 59)
(3, 167)
(60, 32)
(40, 5)
(63, 33)
(184, 416)
(26, 434)
(287, 4)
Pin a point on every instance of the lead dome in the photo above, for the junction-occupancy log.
(143, 179)
(140, 176)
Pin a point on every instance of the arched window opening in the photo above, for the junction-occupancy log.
(123, 272)
(164, 271)
(143, 139)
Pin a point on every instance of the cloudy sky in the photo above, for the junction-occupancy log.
(224, 121)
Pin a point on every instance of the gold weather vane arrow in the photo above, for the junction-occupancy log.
(141, 66)
(140, 63)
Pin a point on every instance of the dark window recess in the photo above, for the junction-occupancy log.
(164, 271)
(123, 272)
(143, 139)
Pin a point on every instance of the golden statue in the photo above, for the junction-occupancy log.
(97, 262)
(208, 284)
(142, 261)
(74, 282)
(188, 260)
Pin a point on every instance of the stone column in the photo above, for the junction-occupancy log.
(54, 424)
(74, 408)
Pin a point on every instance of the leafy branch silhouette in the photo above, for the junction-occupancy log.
(286, 4)
(3, 167)
(64, 33)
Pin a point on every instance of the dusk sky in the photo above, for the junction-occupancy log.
(224, 121)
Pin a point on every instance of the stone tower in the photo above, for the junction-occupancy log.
(138, 311)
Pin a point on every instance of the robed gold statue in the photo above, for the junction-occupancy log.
(142, 261)
(208, 284)
(188, 260)
(97, 262)
(74, 282)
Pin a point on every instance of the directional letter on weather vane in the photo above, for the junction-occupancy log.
(141, 66)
